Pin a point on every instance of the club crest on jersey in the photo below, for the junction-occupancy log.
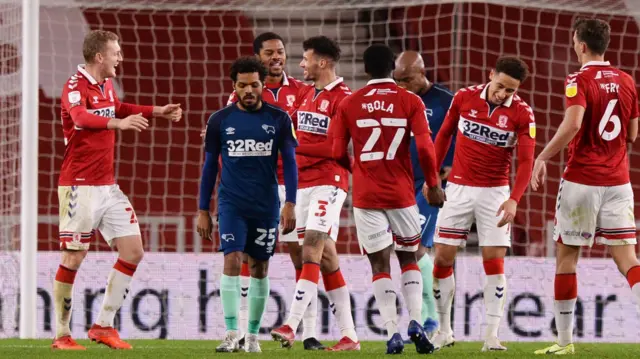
(571, 90)
(473, 113)
(290, 100)
(313, 122)
(502, 121)
(486, 134)
(269, 129)
(324, 106)
(95, 99)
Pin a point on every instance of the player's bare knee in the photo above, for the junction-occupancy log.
(232, 263)
(313, 246)
(445, 255)
(421, 252)
(73, 259)
(624, 257)
(380, 261)
(130, 249)
(566, 258)
(406, 258)
(295, 252)
(489, 253)
(259, 269)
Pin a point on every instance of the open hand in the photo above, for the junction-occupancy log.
(133, 122)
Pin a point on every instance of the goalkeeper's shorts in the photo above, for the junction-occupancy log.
(256, 237)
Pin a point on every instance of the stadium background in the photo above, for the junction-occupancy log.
(180, 52)
(183, 56)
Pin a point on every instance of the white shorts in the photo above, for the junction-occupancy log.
(587, 212)
(291, 237)
(379, 228)
(318, 208)
(468, 204)
(83, 209)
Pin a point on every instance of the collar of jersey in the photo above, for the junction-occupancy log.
(335, 83)
(596, 63)
(380, 81)
(86, 74)
(285, 80)
(483, 95)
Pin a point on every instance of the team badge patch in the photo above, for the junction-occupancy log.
(532, 130)
(571, 90)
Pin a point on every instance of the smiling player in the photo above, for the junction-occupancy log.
(491, 121)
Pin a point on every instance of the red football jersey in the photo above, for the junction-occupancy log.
(313, 114)
(598, 152)
(486, 139)
(380, 118)
(89, 153)
(283, 96)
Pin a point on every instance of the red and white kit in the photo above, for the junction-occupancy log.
(283, 95)
(479, 180)
(88, 195)
(380, 118)
(595, 199)
(322, 182)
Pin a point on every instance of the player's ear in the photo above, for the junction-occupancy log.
(492, 74)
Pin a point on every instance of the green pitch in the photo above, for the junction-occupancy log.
(22, 349)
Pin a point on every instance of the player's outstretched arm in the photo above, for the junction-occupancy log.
(568, 129)
(171, 112)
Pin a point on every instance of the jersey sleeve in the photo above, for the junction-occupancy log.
(124, 109)
(575, 92)
(212, 138)
(74, 100)
(527, 127)
(634, 105)
(339, 132)
(288, 138)
(74, 94)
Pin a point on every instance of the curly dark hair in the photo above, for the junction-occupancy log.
(323, 46)
(247, 65)
(513, 67)
(595, 33)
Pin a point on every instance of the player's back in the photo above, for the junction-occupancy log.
(597, 154)
(379, 119)
(248, 144)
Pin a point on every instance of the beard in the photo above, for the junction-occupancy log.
(251, 106)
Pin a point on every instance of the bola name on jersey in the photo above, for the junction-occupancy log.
(248, 144)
